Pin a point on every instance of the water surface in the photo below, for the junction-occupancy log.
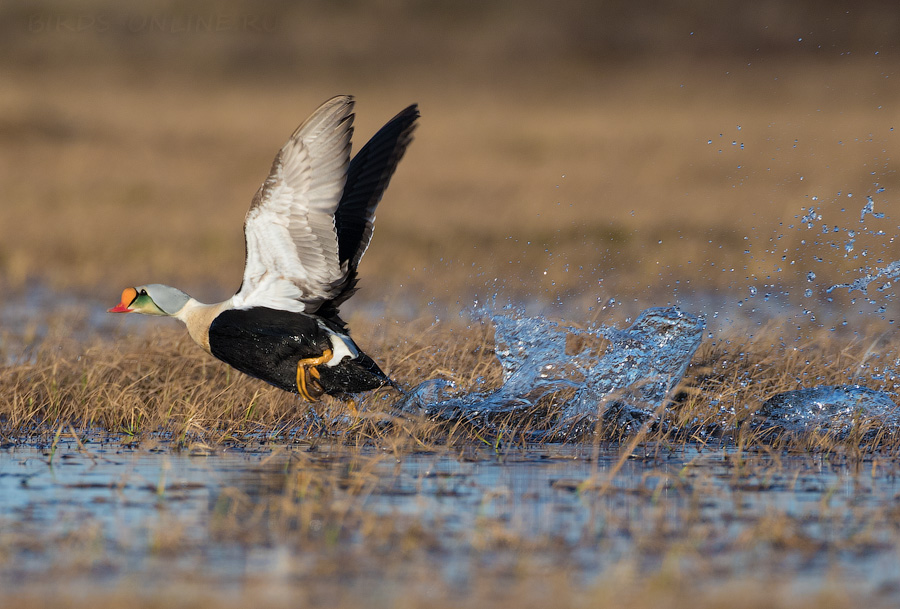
(101, 514)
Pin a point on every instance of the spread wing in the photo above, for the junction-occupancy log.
(368, 176)
(292, 246)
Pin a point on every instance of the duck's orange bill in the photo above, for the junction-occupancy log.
(128, 296)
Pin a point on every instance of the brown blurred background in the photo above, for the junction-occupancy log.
(574, 151)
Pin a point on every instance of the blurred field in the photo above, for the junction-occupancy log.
(575, 152)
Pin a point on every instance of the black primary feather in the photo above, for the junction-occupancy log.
(368, 176)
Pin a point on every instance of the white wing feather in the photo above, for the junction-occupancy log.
(292, 249)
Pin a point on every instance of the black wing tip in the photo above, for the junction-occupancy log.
(408, 116)
(368, 176)
(410, 110)
(405, 122)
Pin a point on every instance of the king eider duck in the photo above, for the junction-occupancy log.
(307, 228)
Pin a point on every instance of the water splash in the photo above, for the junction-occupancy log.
(869, 208)
(888, 273)
(834, 410)
(635, 374)
(826, 234)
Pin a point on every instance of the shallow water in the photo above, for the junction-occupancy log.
(104, 515)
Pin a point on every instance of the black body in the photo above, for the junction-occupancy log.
(268, 344)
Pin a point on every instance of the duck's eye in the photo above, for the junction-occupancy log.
(143, 292)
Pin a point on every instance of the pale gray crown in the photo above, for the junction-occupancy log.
(170, 300)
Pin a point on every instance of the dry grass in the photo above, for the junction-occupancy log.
(664, 591)
(161, 383)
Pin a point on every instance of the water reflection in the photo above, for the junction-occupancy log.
(290, 515)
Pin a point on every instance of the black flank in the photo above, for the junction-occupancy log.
(267, 344)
